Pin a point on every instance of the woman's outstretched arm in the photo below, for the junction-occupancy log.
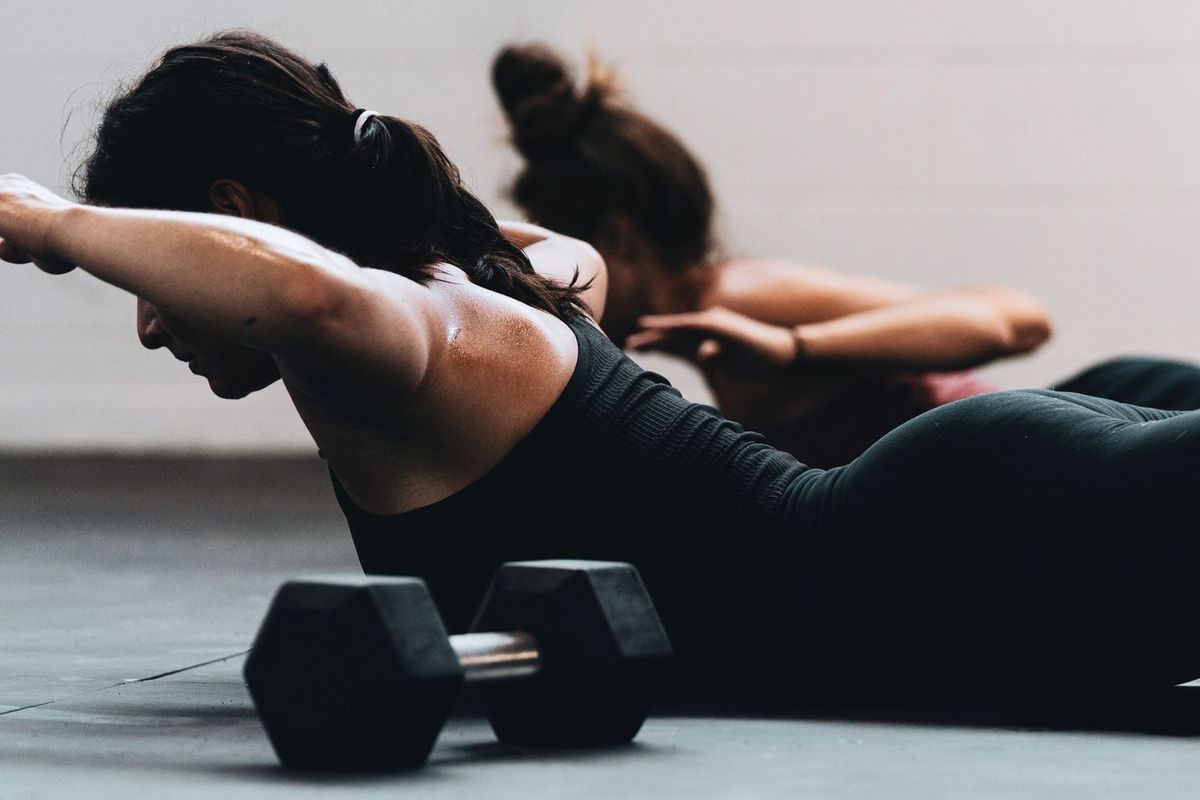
(246, 281)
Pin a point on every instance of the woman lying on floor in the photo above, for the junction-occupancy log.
(868, 354)
(471, 412)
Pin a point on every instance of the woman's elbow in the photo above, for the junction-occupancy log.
(591, 277)
(1025, 324)
(1031, 324)
(592, 267)
(1032, 334)
(1014, 338)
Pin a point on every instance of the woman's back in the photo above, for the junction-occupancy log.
(621, 467)
(981, 532)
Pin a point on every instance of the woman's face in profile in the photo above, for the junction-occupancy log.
(232, 370)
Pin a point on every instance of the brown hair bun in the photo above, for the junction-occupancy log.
(595, 167)
(537, 92)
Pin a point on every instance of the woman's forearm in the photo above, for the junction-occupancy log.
(247, 281)
(950, 330)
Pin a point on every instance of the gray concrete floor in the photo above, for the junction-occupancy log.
(130, 589)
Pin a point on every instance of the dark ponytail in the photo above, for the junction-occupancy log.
(238, 105)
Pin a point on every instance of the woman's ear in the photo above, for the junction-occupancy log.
(233, 198)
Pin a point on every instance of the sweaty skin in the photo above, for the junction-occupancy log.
(405, 386)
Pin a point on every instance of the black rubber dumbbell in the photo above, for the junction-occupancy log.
(358, 672)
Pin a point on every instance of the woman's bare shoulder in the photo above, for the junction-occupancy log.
(501, 357)
(497, 367)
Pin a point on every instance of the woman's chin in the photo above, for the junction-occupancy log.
(231, 390)
(228, 392)
(235, 381)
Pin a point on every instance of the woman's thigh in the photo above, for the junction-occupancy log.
(1021, 537)
(1142, 381)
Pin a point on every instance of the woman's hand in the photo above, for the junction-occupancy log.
(718, 333)
(28, 212)
(754, 369)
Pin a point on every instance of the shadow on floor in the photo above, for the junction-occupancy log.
(1173, 711)
(452, 757)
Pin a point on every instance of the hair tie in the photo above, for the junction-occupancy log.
(361, 115)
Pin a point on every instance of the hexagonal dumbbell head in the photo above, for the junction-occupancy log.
(603, 651)
(353, 672)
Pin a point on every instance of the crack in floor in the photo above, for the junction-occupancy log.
(216, 660)
(125, 682)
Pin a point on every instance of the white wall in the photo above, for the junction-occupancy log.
(1052, 145)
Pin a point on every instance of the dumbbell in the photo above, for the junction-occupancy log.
(358, 672)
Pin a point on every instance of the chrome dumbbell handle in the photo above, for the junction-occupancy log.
(497, 656)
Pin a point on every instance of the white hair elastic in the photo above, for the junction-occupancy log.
(363, 116)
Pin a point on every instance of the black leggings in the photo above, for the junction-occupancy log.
(1140, 381)
(1032, 544)
(1027, 539)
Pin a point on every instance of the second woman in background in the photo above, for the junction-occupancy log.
(857, 356)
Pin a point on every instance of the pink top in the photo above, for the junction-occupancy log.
(839, 432)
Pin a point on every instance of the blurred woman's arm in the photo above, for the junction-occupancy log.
(937, 331)
(872, 322)
(562, 259)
